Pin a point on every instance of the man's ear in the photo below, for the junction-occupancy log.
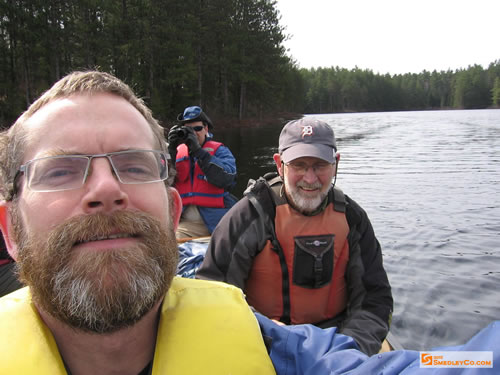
(279, 164)
(6, 227)
(175, 206)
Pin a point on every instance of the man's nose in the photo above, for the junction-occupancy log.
(104, 192)
(310, 175)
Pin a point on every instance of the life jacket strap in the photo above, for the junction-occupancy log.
(262, 189)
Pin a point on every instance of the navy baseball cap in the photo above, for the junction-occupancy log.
(307, 137)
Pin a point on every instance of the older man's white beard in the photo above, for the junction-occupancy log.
(305, 204)
(105, 291)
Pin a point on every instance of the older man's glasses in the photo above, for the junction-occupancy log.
(67, 172)
(302, 168)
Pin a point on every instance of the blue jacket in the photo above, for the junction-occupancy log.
(309, 350)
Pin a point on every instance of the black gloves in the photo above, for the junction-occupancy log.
(179, 134)
(174, 139)
(191, 141)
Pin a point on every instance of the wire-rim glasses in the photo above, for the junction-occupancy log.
(320, 168)
(68, 172)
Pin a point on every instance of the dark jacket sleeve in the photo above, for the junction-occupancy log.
(236, 240)
(370, 303)
(220, 169)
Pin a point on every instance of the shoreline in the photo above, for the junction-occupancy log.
(256, 122)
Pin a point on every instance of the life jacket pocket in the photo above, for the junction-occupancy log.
(182, 168)
(313, 261)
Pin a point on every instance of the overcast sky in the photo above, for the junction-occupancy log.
(392, 36)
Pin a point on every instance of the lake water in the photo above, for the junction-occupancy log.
(430, 183)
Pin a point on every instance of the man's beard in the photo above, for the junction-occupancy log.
(302, 203)
(98, 291)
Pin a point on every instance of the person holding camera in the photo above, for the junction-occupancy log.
(206, 171)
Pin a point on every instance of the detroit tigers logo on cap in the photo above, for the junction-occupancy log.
(307, 130)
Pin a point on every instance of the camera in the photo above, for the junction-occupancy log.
(182, 132)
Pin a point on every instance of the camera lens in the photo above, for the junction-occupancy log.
(181, 132)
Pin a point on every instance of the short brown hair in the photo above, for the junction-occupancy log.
(13, 141)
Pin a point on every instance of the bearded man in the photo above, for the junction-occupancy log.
(88, 213)
(301, 250)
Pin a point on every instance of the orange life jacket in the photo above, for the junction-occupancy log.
(196, 189)
(300, 278)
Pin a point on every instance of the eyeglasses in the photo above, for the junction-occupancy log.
(190, 113)
(302, 168)
(198, 128)
(67, 172)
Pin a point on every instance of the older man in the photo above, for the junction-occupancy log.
(90, 220)
(302, 251)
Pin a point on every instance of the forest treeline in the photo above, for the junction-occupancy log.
(225, 55)
(340, 90)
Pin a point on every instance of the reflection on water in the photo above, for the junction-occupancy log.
(253, 150)
(430, 184)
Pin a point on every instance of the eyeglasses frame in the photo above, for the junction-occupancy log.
(290, 165)
(24, 168)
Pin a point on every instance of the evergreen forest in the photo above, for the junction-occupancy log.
(226, 55)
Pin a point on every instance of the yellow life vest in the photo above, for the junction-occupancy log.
(205, 328)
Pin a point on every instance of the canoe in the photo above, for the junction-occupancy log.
(391, 343)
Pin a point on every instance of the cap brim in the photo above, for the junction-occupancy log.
(319, 151)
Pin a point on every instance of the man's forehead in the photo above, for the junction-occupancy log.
(95, 104)
(88, 121)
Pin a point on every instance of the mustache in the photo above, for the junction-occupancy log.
(87, 228)
(303, 184)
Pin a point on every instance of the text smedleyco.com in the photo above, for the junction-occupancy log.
(456, 359)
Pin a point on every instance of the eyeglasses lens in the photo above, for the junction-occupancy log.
(139, 167)
(319, 169)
